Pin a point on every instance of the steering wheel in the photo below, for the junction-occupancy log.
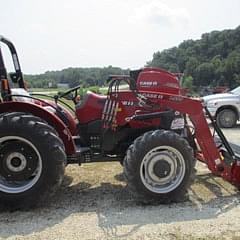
(69, 96)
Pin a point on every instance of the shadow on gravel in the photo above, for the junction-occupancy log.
(114, 208)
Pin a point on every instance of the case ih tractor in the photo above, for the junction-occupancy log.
(151, 128)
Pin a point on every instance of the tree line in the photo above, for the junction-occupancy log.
(74, 76)
(213, 60)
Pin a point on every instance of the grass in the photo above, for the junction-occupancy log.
(49, 94)
(47, 89)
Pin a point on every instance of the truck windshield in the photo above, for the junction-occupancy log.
(236, 91)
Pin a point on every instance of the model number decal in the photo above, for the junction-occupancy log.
(171, 85)
(176, 98)
(128, 103)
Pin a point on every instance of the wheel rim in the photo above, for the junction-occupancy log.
(21, 168)
(162, 169)
(227, 119)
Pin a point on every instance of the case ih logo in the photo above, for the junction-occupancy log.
(153, 95)
(148, 84)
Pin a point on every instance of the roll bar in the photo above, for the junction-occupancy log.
(18, 76)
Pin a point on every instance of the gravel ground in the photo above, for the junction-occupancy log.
(93, 203)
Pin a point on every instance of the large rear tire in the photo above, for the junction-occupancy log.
(159, 167)
(32, 160)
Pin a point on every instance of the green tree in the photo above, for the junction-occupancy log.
(188, 82)
(205, 74)
(211, 60)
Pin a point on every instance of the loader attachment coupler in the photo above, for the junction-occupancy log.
(230, 153)
(221, 135)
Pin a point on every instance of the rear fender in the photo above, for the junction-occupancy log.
(49, 117)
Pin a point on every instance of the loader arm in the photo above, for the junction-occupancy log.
(209, 153)
(212, 156)
(194, 109)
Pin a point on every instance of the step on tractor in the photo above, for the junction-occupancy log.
(151, 128)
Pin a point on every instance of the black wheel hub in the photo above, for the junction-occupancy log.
(161, 169)
(18, 161)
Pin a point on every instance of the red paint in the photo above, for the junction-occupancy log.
(150, 79)
(91, 108)
(158, 80)
(71, 118)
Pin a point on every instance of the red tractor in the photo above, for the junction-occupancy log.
(146, 128)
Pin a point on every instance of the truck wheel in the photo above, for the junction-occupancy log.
(32, 160)
(159, 167)
(226, 118)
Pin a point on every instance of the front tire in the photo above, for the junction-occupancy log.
(159, 167)
(226, 118)
(32, 160)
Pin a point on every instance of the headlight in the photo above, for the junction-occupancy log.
(212, 104)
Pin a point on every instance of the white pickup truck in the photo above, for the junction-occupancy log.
(225, 107)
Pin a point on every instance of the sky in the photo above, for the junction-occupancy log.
(57, 34)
